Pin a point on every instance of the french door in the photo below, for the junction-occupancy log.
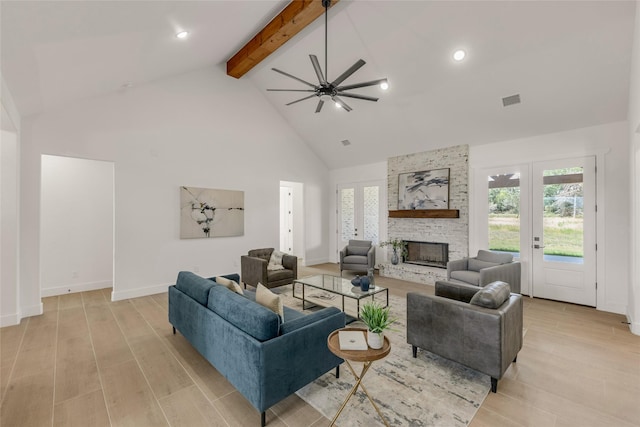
(360, 212)
(544, 214)
(564, 230)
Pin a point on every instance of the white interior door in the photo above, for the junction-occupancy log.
(564, 230)
(286, 219)
(360, 212)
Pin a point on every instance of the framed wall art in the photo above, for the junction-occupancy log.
(424, 190)
(206, 212)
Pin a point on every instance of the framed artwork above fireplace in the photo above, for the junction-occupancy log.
(424, 190)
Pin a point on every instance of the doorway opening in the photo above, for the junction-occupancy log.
(77, 225)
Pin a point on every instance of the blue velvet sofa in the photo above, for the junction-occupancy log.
(265, 358)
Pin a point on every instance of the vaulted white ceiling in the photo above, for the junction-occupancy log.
(568, 60)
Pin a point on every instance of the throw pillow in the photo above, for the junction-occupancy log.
(492, 296)
(229, 284)
(275, 262)
(268, 299)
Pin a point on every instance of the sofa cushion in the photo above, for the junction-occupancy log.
(492, 296)
(194, 286)
(357, 250)
(466, 276)
(246, 315)
(268, 299)
(496, 257)
(474, 264)
(232, 285)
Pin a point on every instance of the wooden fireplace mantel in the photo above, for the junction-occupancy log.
(425, 213)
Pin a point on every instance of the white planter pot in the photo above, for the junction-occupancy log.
(375, 340)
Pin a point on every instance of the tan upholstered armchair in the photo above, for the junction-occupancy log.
(253, 268)
(485, 268)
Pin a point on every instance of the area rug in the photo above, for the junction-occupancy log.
(425, 391)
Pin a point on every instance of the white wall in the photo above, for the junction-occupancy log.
(634, 161)
(200, 129)
(9, 311)
(610, 145)
(76, 223)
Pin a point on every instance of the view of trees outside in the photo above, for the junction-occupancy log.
(563, 212)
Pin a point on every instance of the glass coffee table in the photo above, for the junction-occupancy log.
(337, 286)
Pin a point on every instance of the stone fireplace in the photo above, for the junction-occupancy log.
(429, 254)
(452, 231)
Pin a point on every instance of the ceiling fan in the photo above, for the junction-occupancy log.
(326, 90)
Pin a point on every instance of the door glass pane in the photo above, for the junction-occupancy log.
(563, 231)
(504, 213)
(347, 213)
(371, 210)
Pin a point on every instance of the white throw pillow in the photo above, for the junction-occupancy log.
(268, 299)
(230, 284)
(275, 262)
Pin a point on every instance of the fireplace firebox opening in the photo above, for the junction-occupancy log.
(430, 254)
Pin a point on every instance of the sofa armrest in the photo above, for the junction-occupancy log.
(509, 273)
(253, 270)
(456, 291)
(459, 264)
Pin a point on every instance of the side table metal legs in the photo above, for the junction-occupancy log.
(358, 383)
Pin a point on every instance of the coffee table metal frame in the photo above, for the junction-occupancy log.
(367, 356)
(339, 286)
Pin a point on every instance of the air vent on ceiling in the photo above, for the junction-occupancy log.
(345, 142)
(510, 100)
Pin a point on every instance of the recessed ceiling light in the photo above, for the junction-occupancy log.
(459, 55)
(182, 34)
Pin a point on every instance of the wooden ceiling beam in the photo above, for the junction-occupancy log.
(293, 18)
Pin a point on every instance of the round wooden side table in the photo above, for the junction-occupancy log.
(367, 356)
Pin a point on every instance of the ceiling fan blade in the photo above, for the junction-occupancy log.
(316, 66)
(365, 84)
(293, 77)
(355, 95)
(301, 99)
(342, 103)
(319, 107)
(355, 67)
(290, 90)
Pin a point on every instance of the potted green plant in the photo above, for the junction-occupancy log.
(377, 320)
(397, 245)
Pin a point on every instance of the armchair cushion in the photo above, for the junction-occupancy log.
(492, 296)
(494, 257)
(467, 276)
(475, 264)
(357, 250)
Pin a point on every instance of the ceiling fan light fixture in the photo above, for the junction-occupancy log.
(182, 34)
(384, 85)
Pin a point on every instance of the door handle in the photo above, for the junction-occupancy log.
(537, 246)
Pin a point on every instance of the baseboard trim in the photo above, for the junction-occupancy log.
(32, 310)
(89, 286)
(613, 308)
(139, 292)
(9, 320)
(309, 262)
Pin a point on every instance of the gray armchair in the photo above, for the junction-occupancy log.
(485, 268)
(358, 255)
(253, 268)
(478, 328)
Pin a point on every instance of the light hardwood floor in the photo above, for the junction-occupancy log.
(90, 362)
